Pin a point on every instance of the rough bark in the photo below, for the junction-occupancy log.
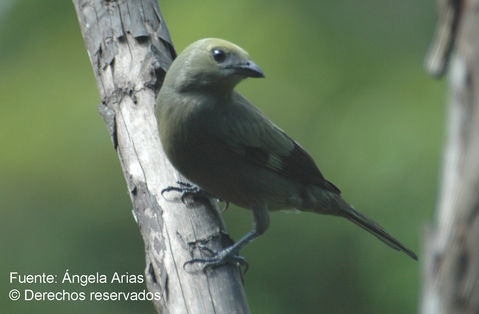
(130, 50)
(451, 269)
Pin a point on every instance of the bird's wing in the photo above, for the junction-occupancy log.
(260, 142)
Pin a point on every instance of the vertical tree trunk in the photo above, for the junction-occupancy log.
(130, 50)
(451, 269)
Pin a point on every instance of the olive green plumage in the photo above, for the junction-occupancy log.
(220, 141)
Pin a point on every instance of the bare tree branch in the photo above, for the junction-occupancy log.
(130, 50)
(451, 269)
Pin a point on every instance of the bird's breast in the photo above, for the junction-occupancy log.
(184, 139)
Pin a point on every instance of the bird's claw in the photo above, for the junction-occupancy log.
(186, 190)
(227, 204)
(225, 256)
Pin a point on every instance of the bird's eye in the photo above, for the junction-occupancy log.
(219, 55)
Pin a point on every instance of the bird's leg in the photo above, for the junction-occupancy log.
(187, 190)
(230, 254)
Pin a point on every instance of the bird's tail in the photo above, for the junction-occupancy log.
(374, 228)
(339, 207)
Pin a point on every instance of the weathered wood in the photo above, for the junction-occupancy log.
(130, 50)
(451, 269)
(440, 51)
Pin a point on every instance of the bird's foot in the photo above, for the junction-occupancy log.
(190, 190)
(225, 256)
(187, 190)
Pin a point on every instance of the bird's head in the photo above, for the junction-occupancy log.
(211, 63)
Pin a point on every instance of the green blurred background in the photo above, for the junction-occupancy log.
(344, 78)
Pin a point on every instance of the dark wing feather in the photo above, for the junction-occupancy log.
(262, 143)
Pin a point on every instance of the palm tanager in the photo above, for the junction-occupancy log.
(224, 144)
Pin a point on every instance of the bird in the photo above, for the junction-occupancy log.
(230, 149)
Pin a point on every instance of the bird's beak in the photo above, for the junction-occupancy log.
(248, 69)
